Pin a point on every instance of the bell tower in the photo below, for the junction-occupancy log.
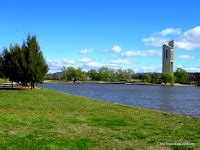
(168, 58)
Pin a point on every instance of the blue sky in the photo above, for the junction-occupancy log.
(113, 33)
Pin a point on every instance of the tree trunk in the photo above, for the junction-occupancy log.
(12, 84)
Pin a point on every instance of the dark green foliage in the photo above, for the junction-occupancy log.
(93, 75)
(197, 78)
(1, 67)
(181, 76)
(24, 64)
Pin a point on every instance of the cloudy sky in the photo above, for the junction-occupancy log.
(113, 33)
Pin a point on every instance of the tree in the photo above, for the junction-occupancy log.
(93, 74)
(1, 66)
(106, 74)
(197, 78)
(181, 76)
(147, 77)
(122, 75)
(25, 64)
(166, 77)
(130, 74)
(37, 67)
(73, 74)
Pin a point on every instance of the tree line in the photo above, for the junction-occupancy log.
(103, 74)
(128, 75)
(180, 76)
(24, 64)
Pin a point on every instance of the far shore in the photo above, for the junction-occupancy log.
(119, 82)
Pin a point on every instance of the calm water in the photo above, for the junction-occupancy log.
(178, 100)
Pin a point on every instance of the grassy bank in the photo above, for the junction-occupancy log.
(47, 119)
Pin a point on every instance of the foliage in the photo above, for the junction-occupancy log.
(147, 77)
(181, 76)
(124, 75)
(1, 67)
(166, 77)
(44, 119)
(197, 78)
(73, 74)
(93, 75)
(24, 64)
(106, 74)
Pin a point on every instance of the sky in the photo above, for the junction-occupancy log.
(118, 34)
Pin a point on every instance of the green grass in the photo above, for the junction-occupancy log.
(44, 119)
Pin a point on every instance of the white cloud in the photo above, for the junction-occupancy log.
(94, 64)
(141, 53)
(116, 49)
(170, 31)
(147, 69)
(56, 65)
(121, 61)
(85, 60)
(85, 51)
(154, 41)
(188, 40)
(192, 69)
(185, 57)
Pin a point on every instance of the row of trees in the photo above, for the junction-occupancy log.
(103, 74)
(180, 76)
(24, 64)
(106, 74)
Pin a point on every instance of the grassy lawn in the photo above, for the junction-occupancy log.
(44, 119)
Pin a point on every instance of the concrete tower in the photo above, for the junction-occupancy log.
(168, 58)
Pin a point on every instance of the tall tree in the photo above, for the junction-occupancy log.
(1, 66)
(36, 65)
(24, 64)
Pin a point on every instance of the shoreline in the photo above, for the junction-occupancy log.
(109, 82)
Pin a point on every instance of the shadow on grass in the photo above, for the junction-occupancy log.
(14, 88)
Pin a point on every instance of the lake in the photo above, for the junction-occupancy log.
(183, 100)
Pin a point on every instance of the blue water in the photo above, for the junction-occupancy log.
(178, 100)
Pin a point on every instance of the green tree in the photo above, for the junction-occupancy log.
(106, 74)
(197, 79)
(130, 74)
(122, 75)
(93, 74)
(25, 64)
(1, 66)
(36, 65)
(181, 76)
(147, 77)
(73, 74)
(8, 64)
(166, 77)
